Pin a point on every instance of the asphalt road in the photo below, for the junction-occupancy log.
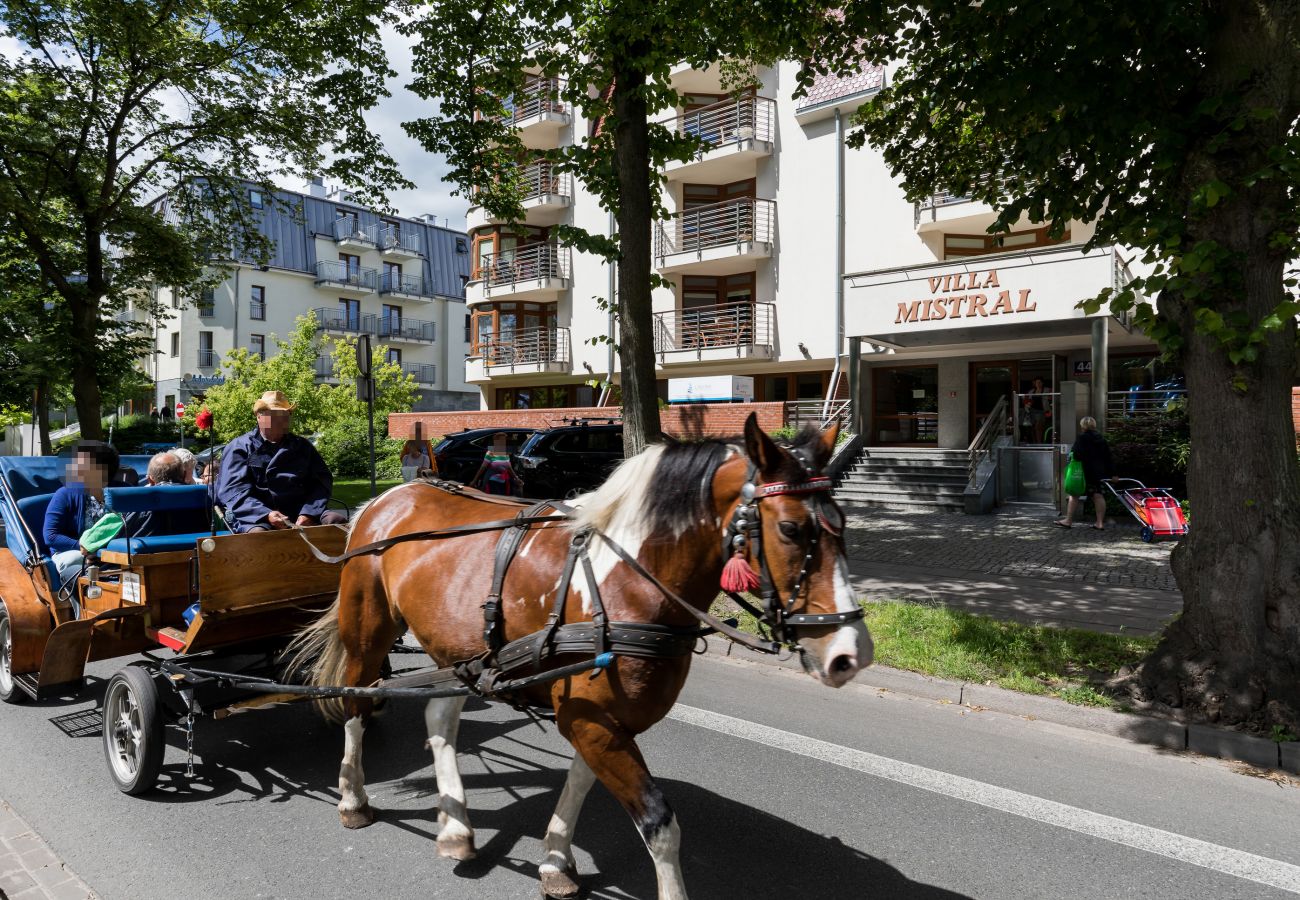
(783, 788)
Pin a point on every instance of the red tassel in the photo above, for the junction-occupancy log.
(737, 576)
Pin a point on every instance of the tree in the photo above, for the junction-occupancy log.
(110, 105)
(1173, 126)
(613, 62)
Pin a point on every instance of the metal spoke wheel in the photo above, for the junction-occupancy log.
(9, 691)
(133, 730)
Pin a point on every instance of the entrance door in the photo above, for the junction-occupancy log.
(989, 383)
(905, 405)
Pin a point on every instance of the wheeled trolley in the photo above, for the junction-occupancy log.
(1158, 511)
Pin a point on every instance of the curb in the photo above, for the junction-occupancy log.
(1203, 739)
(29, 870)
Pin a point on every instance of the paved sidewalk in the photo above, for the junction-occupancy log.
(29, 870)
(1015, 565)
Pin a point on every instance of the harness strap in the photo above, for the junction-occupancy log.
(453, 531)
(507, 547)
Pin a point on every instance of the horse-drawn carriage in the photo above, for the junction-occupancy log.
(218, 601)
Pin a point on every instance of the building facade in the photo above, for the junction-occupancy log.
(785, 249)
(401, 281)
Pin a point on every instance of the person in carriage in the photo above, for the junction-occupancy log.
(272, 478)
(78, 505)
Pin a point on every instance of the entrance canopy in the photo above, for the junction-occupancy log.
(1001, 297)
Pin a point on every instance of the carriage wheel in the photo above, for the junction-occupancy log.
(1147, 534)
(133, 730)
(10, 692)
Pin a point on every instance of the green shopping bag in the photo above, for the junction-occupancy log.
(98, 535)
(1075, 484)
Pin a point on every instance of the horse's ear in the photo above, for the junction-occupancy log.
(760, 448)
(824, 448)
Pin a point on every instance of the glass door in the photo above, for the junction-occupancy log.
(989, 383)
(905, 405)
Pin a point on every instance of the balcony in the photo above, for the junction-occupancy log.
(523, 351)
(409, 287)
(718, 239)
(346, 279)
(538, 113)
(734, 133)
(324, 368)
(726, 332)
(423, 373)
(333, 319)
(547, 195)
(397, 245)
(209, 359)
(535, 272)
(349, 235)
(256, 311)
(400, 329)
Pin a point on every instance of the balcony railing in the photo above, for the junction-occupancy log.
(707, 327)
(728, 122)
(348, 228)
(717, 225)
(324, 367)
(1125, 404)
(404, 329)
(209, 359)
(424, 373)
(541, 179)
(330, 271)
(412, 285)
(530, 263)
(390, 238)
(256, 310)
(334, 319)
(525, 346)
(537, 97)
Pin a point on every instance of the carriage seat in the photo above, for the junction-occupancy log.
(161, 518)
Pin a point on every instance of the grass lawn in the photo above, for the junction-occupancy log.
(1034, 659)
(355, 491)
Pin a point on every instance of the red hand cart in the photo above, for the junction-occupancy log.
(1159, 511)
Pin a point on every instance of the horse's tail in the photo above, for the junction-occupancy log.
(318, 652)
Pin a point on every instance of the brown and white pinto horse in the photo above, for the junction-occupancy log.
(668, 508)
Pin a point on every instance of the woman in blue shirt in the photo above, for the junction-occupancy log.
(78, 505)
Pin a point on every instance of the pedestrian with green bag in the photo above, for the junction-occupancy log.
(1088, 467)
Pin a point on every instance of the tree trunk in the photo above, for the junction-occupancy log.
(43, 417)
(1234, 654)
(83, 305)
(635, 320)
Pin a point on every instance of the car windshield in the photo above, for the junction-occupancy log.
(533, 440)
(443, 444)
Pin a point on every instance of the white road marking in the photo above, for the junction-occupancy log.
(1238, 863)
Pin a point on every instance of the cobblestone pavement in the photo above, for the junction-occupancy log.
(29, 870)
(1011, 544)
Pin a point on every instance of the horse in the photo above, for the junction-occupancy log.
(679, 512)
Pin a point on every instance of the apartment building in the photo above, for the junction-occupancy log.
(787, 256)
(399, 280)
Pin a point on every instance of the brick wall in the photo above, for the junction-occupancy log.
(1295, 413)
(693, 420)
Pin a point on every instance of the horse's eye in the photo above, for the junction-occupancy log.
(789, 529)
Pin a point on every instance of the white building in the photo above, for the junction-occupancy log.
(767, 282)
(399, 280)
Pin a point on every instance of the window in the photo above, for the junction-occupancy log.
(257, 344)
(392, 277)
(207, 357)
(176, 343)
(350, 313)
(257, 305)
(394, 356)
(256, 200)
(169, 401)
(352, 263)
(461, 246)
(468, 319)
(207, 303)
(176, 298)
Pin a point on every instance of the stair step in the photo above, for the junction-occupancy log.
(919, 471)
(862, 490)
(907, 505)
(917, 478)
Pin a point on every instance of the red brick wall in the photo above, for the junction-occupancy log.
(694, 420)
(1295, 413)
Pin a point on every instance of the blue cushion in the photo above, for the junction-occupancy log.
(32, 509)
(160, 497)
(159, 544)
(31, 475)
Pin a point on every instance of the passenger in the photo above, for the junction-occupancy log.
(166, 468)
(415, 460)
(188, 462)
(78, 505)
(271, 478)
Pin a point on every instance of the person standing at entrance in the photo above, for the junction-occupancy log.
(1037, 403)
(1093, 453)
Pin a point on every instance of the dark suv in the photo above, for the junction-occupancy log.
(459, 455)
(566, 461)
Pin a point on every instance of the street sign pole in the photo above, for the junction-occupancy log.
(366, 392)
(180, 424)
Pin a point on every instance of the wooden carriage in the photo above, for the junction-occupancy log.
(223, 602)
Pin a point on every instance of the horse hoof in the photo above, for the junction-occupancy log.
(357, 818)
(460, 848)
(559, 884)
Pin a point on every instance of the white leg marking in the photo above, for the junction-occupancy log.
(665, 849)
(443, 718)
(352, 780)
(559, 833)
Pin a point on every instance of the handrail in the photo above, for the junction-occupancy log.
(994, 425)
(412, 285)
(336, 272)
(525, 346)
(423, 373)
(736, 324)
(532, 261)
(798, 412)
(736, 221)
(390, 237)
(727, 122)
(348, 228)
(537, 97)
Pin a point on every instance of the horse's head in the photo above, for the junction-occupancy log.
(789, 531)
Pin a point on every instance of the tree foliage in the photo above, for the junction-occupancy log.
(108, 105)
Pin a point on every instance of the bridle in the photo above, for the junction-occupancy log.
(745, 533)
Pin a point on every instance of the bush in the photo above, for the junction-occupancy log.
(1153, 448)
(388, 458)
(345, 447)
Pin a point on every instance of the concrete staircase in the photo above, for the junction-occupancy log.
(906, 479)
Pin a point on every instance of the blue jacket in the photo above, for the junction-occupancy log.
(65, 518)
(257, 477)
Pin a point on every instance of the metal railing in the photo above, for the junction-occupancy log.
(348, 228)
(536, 98)
(525, 346)
(725, 325)
(404, 329)
(424, 373)
(324, 367)
(329, 271)
(945, 197)
(1126, 404)
(392, 238)
(541, 179)
(533, 262)
(413, 285)
(982, 444)
(256, 310)
(717, 225)
(209, 359)
(728, 122)
(799, 413)
(334, 319)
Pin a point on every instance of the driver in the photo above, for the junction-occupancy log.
(271, 478)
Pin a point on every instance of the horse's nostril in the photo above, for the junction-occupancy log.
(841, 664)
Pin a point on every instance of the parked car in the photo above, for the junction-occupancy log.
(459, 455)
(566, 461)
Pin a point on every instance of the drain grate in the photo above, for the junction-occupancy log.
(84, 723)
